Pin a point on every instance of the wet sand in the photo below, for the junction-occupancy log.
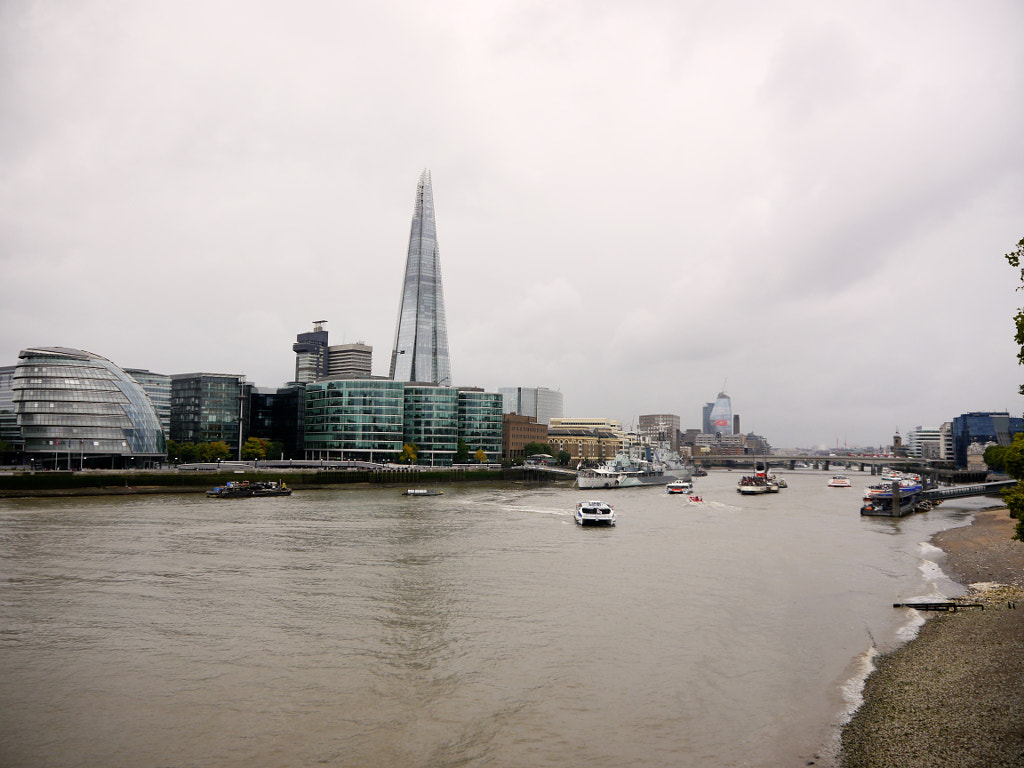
(954, 696)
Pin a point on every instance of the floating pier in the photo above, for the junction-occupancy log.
(938, 605)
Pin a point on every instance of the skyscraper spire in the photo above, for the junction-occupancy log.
(421, 337)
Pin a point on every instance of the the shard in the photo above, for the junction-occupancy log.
(421, 338)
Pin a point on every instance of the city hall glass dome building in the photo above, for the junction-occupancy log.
(77, 410)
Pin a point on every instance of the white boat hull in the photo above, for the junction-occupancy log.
(594, 513)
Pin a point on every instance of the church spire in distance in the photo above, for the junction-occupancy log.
(421, 336)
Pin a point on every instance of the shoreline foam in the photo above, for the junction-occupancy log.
(954, 695)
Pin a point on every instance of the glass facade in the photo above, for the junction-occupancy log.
(10, 434)
(78, 407)
(982, 427)
(277, 416)
(354, 419)
(158, 387)
(208, 408)
(480, 422)
(540, 402)
(420, 353)
(721, 415)
(432, 423)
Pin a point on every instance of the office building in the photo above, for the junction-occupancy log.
(946, 441)
(158, 387)
(76, 409)
(660, 430)
(983, 427)
(517, 432)
(209, 408)
(353, 419)
(541, 403)
(721, 415)
(278, 416)
(480, 422)
(372, 419)
(311, 354)
(924, 442)
(10, 434)
(432, 422)
(351, 361)
(420, 353)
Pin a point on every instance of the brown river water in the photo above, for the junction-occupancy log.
(481, 628)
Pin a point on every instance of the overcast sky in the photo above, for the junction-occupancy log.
(637, 203)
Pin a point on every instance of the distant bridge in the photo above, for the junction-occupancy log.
(792, 459)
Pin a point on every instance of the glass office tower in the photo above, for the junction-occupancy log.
(354, 419)
(721, 415)
(421, 337)
(432, 423)
(480, 422)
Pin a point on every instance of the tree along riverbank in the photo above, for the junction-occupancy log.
(107, 482)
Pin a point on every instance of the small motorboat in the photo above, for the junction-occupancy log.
(695, 499)
(839, 481)
(423, 492)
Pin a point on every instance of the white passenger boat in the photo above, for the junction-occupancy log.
(839, 481)
(594, 513)
(679, 486)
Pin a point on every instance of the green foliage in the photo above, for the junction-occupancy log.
(1015, 258)
(275, 450)
(564, 457)
(254, 448)
(1013, 459)
(408, 454)
(531, 449)
(462, 452)
(187, 453)
(995, 458)
(1014, 498)
(213, 451)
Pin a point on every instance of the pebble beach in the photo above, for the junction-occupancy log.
(954, 696)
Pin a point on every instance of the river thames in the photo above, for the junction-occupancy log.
(361, 627)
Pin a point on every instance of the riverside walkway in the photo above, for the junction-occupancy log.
(961, 491)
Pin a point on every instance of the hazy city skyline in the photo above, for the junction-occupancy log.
(635, 203)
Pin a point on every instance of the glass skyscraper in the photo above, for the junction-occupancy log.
(420, 353)
(721, 415)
